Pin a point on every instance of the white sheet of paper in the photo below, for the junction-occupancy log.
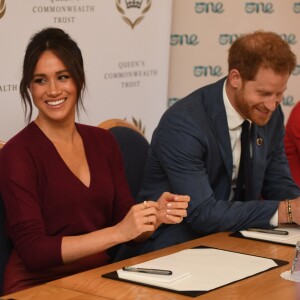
(208, 268)
(291, 238)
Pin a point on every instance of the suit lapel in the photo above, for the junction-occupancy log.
(219, 125)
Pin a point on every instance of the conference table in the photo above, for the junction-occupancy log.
(90, 284)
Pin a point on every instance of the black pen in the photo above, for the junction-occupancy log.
(272, 231)
(148, 271)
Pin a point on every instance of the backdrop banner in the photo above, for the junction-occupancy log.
(125, 46)
(200, 46)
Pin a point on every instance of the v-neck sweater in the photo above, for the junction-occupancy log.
(45, 201)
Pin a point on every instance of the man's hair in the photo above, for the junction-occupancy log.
(66, 49)
(260, 49)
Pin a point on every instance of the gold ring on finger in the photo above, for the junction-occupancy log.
(145, 204)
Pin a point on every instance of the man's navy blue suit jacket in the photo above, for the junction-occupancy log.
(191, 154)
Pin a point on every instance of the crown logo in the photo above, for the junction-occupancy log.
(133, 16)
(2, 8)
(133, 3)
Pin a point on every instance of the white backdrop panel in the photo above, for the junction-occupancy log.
(200, 46)
(126, 69)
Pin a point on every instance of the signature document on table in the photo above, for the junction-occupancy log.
(198, 270)
(290, 239)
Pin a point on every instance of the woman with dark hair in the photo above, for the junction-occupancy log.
(63, 184)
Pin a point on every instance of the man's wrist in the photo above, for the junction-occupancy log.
(289, 211)
(282, 212)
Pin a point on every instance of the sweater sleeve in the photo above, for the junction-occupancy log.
(19, 180)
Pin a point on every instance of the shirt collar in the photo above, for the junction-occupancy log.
(234, 119)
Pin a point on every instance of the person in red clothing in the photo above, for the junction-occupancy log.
(62, 183)
(292, 142)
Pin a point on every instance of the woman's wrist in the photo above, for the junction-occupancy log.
(117, 236)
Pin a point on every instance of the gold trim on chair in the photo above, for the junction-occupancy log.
(1, 144)
(118, 123)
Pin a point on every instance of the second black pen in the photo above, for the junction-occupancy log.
(271, 231)
(148, 271)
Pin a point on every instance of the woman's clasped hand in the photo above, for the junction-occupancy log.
(149, 215)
